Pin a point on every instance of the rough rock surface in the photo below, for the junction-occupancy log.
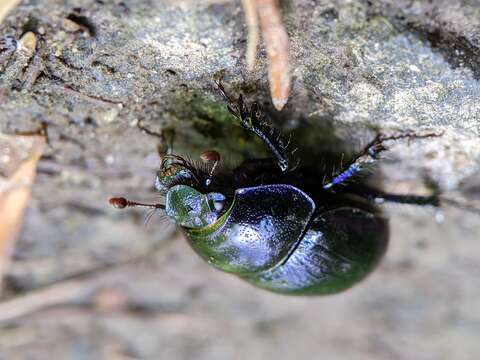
(359, 67)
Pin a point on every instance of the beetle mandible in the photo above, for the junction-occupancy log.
(275, 225)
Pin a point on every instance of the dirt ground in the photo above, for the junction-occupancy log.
(89, 282)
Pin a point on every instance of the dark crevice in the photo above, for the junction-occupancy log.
(457, 50)
(32, 24)
(84, 22)
(106, 69)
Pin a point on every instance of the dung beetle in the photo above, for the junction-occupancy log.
(280, 227)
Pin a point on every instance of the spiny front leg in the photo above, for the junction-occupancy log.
(371, 154)
(252, 119)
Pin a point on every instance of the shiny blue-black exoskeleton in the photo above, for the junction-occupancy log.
(279, 228)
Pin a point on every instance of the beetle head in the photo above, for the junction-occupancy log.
(190, 208)
(185, 186)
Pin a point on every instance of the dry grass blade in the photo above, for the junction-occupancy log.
(252, 23)
(5, 7)
(82, 287)
(18, 159)
(267, 14)
(276, 43)
(41, 299)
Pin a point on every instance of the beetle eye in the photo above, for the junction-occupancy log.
(171, 174)
(218, 205)
(217, 200)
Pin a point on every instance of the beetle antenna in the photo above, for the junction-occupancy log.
(208, 157)
(122, 203)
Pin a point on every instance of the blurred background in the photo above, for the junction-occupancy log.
(86, 87)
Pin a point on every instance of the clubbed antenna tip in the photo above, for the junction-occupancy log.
(122, 203)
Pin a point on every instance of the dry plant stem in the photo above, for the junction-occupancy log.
(5, 7)
(43, 298)
(252, 23)
(92, 99)
(276, 43)
(81, 286)
(13, 201)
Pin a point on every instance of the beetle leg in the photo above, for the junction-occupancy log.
(428, 200)
(252, 119)
(435, 200)
(371, 154)
(166, 137)
(379, 197)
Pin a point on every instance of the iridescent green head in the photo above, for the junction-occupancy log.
(188, 202)
(190, 208)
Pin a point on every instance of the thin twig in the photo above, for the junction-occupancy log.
(276, 43)
(90, 98)
(72, 289)
(5, 7)
(15, 194)
(252, 40)
(267, 14)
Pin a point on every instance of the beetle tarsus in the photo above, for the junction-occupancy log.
(371, 154)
